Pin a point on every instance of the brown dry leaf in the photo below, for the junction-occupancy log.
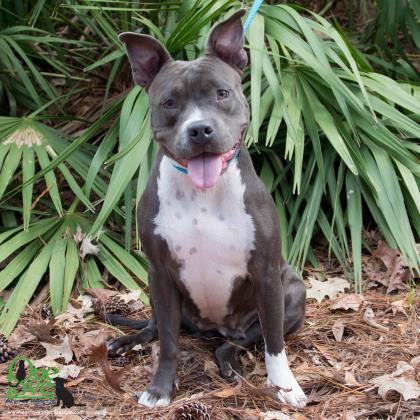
(41, 329)
(210, 366)
(71, 416)
(331, 288)
(402, 328)
(369, 317)
(338, 329)
(65, 371)
(227, 392)
(83, 340)
(62, 350)
(85, 243)
(133, 300)
(99, 355)
(396, 275)
(101, 294)
(350, 301)
(130, 297)
(275, 415)
(400, 306)
(250, 414)
(350, 380)
(73, 314)
(259, 369)
(20, 336)
(402, 380)
(328, 354)
(76, 381)
(415, 361)
(54, 352)
(71, 371)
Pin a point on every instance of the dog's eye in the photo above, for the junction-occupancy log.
(169, 103)
(222, 94)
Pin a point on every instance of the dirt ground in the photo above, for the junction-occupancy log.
(337, 357)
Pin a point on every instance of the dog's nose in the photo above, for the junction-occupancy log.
(200, 131)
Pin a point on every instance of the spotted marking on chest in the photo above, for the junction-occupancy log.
(208, 232)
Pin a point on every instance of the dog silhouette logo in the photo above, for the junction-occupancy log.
(27, 382)
(64, 395)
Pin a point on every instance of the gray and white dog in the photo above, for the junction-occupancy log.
(207, 223)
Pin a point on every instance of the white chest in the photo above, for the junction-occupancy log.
(208, 232)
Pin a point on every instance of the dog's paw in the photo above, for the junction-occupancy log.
(121, 344)
(280, 375)
(292, 394)
(152, 399)
(229, 373)
(229, 366)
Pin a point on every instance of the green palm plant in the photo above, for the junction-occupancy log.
(334, 106)
(395, 29)
(22, 80)
(25, 144)
(334, 142)
(58, 247)
(30, 56)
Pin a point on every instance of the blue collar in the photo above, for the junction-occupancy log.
(184, 170)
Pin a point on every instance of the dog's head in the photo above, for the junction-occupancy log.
(198, 111)
(59, 381)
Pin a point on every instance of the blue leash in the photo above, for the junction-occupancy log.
(251, 14)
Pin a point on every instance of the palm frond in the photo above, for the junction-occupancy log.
(57, 247)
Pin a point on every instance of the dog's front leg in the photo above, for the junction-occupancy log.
(167, 307)
(270, 301)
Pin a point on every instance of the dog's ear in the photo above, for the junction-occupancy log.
(226, 41)
(147, 56)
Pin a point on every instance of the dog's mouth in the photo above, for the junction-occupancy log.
(205, 169)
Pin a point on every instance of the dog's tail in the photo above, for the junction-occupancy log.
(137, 324)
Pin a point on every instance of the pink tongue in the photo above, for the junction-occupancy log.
(205, 170)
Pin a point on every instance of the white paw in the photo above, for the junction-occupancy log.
(280, 375)
(149, 400)
(292, 395)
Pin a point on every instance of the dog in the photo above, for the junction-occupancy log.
(20, 374)
(63, 394)
(207, 224)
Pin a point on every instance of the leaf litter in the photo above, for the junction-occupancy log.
(355, 357)
(329, 288)
(396, 273)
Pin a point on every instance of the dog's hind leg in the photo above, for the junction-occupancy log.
(227, 353)
(124, 343)
(294, 301)
(294, 312)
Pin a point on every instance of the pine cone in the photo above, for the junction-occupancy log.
(6, 351)
(112, 305)
(192, 411)
(121, 361)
